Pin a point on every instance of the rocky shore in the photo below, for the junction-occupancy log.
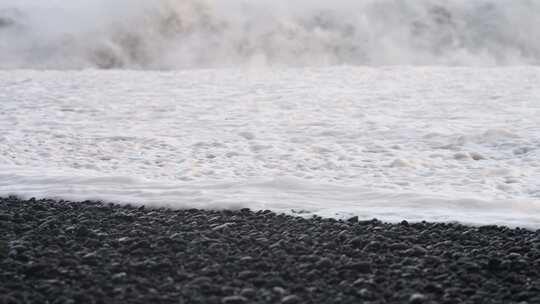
(94, 252)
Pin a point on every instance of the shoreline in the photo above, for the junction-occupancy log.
(74, 252)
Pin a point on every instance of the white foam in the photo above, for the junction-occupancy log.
(397, 143)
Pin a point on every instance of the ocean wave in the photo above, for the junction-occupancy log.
(169, 34)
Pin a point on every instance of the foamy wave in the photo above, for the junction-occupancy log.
(169, 34)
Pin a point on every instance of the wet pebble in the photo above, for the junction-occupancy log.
(92, 252)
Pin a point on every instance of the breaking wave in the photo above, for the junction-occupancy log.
(169, 34)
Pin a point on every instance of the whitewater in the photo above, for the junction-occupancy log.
(373, 108)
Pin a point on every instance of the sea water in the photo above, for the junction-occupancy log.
(375, 108)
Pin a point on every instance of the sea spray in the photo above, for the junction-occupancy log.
(168, 34)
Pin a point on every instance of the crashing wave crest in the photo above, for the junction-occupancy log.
(175, 34)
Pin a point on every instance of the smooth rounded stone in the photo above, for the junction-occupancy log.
(471, 267)
(246, 274)
(494, 264)
(433, 288)
(324, 263)
(4, 217)
(399, 246)
(343, 235)
(365, 294)
(234, 300)
(360, 282)
(279, 290)
(248, 292)
(373, 246)
(360, 267)
(433, 260)
(119, 276)
(201, 280)
(83, 231)
(417, 298)
(357, 242)
(415, 251)
(291, 299)
(353, 219)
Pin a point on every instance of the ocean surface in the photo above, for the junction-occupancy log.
(416, 143)
(386, 109)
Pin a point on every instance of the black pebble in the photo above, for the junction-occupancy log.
(92, 252)
(234, 300)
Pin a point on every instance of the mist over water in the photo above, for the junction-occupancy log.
(168, 34)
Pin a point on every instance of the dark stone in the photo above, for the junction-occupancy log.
(83, 231)
(373, 246)
(324, 263)
(246, 274)
(494, 264)
(362, 282)
(357, 242)
(291, 299)
(361, 267)
(415, 251)
(8, 299)
(417, 298)
(5, 217)
(433, 288)
(353, 219)
(36, 269)
(248, 293)
(399, 246)
(3, 249)
(234, 300)
(365, 294)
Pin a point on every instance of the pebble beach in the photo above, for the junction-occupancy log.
(94, 252)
